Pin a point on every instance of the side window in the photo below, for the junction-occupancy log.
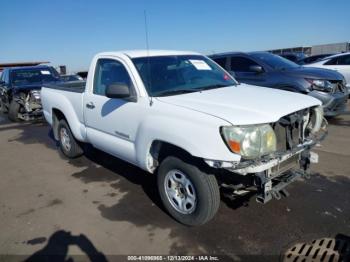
(108, 72)
(344, 60)
(333, 61)
(241, 64)
(221, 61)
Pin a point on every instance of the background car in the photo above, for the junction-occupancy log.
(294, 57)
(338, 62)
(20, 90)
(68, 78)
(312, 59)
(269, 70)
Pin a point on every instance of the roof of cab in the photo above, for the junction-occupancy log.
(146, 53)
(336, 55)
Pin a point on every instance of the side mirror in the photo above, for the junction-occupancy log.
(256, 68)
(119, 90)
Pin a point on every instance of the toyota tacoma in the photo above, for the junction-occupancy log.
(183, 118)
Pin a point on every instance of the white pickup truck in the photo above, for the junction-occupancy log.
(182, 117)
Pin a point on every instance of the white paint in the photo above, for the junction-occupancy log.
(190, 121)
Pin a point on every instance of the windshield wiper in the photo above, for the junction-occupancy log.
(184, 91)
(176, 92)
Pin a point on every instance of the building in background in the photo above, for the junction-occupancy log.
(315, 49)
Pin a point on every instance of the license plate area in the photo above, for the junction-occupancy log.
(286, 165)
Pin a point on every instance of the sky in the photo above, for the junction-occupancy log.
(70, 32)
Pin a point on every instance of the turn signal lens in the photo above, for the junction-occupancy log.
(234, 146)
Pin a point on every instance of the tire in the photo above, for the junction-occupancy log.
(13, 111)
(68, 144)
(203, 188)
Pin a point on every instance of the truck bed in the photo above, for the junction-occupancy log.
(71, 86)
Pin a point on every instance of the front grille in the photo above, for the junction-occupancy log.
(289, 131)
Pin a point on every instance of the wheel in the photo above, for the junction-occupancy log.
(68, 144)
(14, 111)
(189, 195)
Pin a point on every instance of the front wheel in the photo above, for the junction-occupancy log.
(189, 195)
(68, 145)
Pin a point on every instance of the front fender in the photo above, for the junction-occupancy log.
(197, 135)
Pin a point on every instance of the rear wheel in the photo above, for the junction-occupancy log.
(68, 144)
(190, 196)
(14, 110)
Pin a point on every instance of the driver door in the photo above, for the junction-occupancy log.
(112, 123)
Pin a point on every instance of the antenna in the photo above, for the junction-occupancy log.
(148, 58)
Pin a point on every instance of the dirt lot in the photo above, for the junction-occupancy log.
(99, 205)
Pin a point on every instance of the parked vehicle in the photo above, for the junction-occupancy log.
(339, 62)
(313, 59)
(20, 91)
(294, 56)
(68, 78)
(266, 69)
(182, 117)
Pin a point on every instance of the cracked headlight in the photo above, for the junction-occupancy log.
(250, 141)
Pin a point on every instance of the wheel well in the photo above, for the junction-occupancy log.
(159, 150)
(57, 116)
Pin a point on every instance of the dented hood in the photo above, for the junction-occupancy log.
(243, 104)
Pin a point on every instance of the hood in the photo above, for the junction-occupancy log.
(313, 73)
(28, 87)
(243, 104)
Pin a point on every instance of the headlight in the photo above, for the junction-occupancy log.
(250, 141)
(321, 85)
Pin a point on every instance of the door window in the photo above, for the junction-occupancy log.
(109, 72)
(333, 61)
(344, 60)
(221, 61)
(241, 64)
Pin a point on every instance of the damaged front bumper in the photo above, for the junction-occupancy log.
(269, 176)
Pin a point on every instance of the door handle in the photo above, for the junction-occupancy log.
(90, 105)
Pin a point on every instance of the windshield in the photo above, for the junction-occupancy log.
(275, 61)
(33, 76)
(169, 75)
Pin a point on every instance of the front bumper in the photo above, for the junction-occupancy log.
(333, 103)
